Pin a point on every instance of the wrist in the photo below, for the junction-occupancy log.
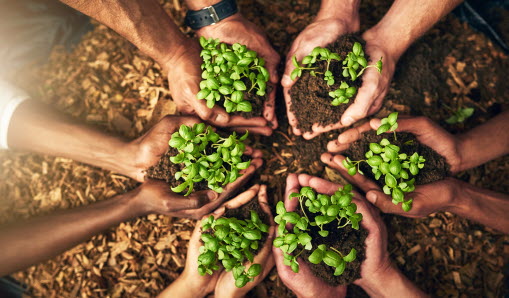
(461, 202)
(388, 41)
(200, 4)
(347, 12)
(378, 284)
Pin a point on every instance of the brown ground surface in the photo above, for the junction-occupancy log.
(105, 81)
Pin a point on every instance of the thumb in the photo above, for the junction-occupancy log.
(382, 202)
(216, 115)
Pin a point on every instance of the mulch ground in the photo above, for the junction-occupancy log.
(105, 81)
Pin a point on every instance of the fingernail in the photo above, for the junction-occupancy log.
(222, 118)
(212, 195)
(371, 196)
(348, 121)
(286, 80)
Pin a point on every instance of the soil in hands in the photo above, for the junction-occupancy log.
(311, 102)
(435, 168)
(342, 239)
(165, 170)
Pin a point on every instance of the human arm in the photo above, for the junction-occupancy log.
(335, 18)
(405, 22)
(37, 239)
(379, 276)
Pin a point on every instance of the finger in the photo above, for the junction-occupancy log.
(347, 137)
(361, 181)
(287, 81)
(317, 129)
(178, 203)
(266, 250)
(242, 198)
(292, 120)
(269, 109)
(304, 179)
(364, 99)
(194, 242)
(292, 185)
(264, 203)
(272, 59)
(323, 186)
(382, 202)
(216, 115)
(251, 122)
(264, 130)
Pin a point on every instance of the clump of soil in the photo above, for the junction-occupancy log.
(311, 102)
(165, 170)
(343, 240)
(435, 168)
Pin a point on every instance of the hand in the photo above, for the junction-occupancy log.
(323, 31)
(375, 85)
(190, 283)
(184, 76)
(148, 149)
(304, 283)
(237, 29)
(155, 196)
(377, 262)
(426, 131)
(225, 286)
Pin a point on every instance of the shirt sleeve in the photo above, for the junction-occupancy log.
(10, 98)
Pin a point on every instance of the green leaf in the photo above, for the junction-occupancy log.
(352, 171)
(333, 210)
(407, 205)
(239, 85)
(294, 61)
(252, 235)
(241, 281)
(243, 165)
(317, 256)
(295, 267)
(390, 180)
(245, 61)
(291, 217)
(177, 142)
(397, 195)
(375, 161)
(304, 238)
(206, 258)
(383, 128)
(340, 269)
(280, 208)
(393, 118)
(180, 187)
(294, 74)
(254, 270)
(357, 48)
(323, 233)
(244, 106)
(278, 241)
(332, 258)
(395, 167)
(225, 90)
(384, 142)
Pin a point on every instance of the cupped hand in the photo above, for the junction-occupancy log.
(225, 286)
(304, 283)
(377, 261)
(427, 199)
(184, 76)
(237, 29)
(320, 33)
(425, 130)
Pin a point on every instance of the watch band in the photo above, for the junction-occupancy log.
(210, 15)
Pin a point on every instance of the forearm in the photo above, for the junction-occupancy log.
(37, 128)
(390, 283)
(406, 21)
(181, 288)
(481, 205)
(41, 238)
(485, 142)
(143, 22)
(347, 10)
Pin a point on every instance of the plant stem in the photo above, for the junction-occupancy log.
(332, 248)
(302, 207)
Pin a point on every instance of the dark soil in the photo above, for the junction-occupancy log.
(165, 170)
(435, 168)
(311, 102)
(258, 102)
(343, 240)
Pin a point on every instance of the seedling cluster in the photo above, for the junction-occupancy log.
(329, 212)
(354, 65)
(226, 71)
(207, 156)
(230, 242)
(397, 169)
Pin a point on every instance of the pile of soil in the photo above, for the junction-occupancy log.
(343, 240)
(435, 168)
(311, 102)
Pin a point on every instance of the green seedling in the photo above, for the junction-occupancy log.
(225, 72)
(460, 115)
(386, 161)
(207, 156)
(231, 242)
(354, 65)
(334, 212)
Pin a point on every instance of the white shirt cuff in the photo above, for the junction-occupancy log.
(10, 98)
